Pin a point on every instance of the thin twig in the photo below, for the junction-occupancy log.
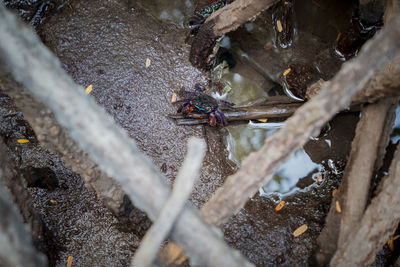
(183, 186)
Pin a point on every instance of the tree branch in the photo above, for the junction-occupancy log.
(183, 186)
(371, 233)
(368, 146)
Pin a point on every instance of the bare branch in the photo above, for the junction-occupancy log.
(258, 168)
(385, 83)
(370, 234)
(183, 186)
(370, 141)
(109, 146)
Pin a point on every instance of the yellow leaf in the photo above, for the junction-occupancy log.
(23, 141)
(173, 98)
(148, 62)
(338, 36)
(280, 205)
(334, 192)
(89, 89)
(69, 261)
(262, 120)
(301, 230)
(287, 71)
(279, 26)
(338, 208)
(391, 243)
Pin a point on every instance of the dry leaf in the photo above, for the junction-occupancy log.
(262, 120)
(279, 26)
(287, 71)
(23, 141)
(301, 230)
(69, 261)
(148, 62)
(268, 47)
(338, 36)
(391, 242)
(280, 205)
(334, 192)
(338, 208)
(89, 89)
(52, 201)
(173, 98)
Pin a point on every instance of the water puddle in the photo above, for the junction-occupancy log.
(396, 128)
(174, 12)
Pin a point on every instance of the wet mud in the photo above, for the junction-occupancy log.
(135, 62)
(65, 217)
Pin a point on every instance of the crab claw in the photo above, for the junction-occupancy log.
(221, 119)
(212, 119)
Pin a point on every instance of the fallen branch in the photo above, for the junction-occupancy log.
(368, 146)
(221, 22)
(33, 65)
(244, 113)
(307, 121)
(371, 233)
(183, 186)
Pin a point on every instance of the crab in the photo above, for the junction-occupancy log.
(196, 104)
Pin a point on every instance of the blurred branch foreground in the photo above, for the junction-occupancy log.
(33, 65)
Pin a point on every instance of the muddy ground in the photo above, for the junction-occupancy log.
(106, 43)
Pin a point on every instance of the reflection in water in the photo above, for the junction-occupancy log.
(396, 127)
(244, 139)
(298, 166)
(175, 12)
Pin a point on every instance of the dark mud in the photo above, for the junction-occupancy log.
(265, 235)
(107, 43)
(75, 222)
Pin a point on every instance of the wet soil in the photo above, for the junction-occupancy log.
(75, 222)
(107, 44)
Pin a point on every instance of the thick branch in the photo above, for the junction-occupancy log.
(385, 83)
(258, 168)
(370, 141)
(34, 66)
(368, 237)
(183, 186)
